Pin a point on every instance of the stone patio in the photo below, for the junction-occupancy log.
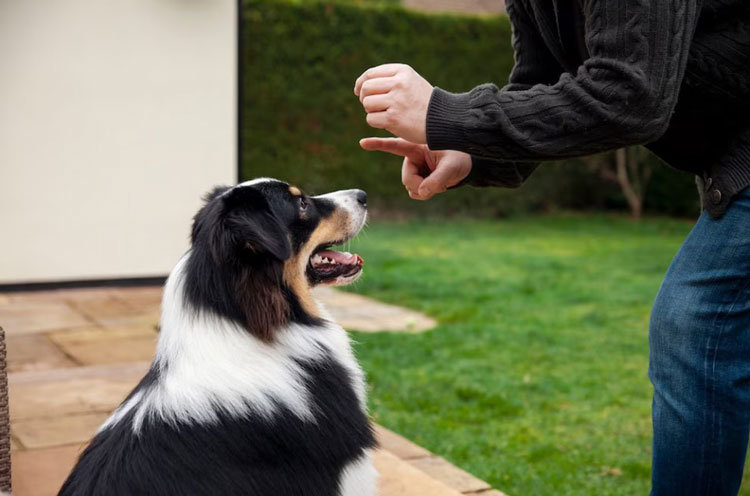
(74, 354)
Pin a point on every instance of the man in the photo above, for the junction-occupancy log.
(595, 75)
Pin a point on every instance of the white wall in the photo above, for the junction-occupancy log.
(115, 117)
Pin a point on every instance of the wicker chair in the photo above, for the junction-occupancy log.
(4, 420)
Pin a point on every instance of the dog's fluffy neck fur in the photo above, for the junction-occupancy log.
(206, 363)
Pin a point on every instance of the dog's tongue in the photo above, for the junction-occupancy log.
(342, 257)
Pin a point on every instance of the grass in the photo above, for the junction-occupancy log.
(536, 378)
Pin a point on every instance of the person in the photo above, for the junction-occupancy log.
(596, 75)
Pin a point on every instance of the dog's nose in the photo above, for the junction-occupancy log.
(361, 197)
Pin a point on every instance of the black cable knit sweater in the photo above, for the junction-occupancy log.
(594, 75)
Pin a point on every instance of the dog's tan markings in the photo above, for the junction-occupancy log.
(297, 281)
(328, 230)
(294, 190)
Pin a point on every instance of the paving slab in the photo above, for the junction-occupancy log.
(115, 312)
(73, 373)
(97, 345)
(41, 472)
(82, 335)
(28, 317)
(359, 313)
(140, 296)
(59, 295)
(440, 469)
(145, 316)
(34, 352)
(58, 430)
(66, 396)
(112, 351)
(103, 307)
(399, 445)
(399, 478)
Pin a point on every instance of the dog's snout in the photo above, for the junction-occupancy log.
(361, 197)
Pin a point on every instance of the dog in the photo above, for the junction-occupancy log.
(254, 390)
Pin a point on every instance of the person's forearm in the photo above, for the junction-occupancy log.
(623, 94)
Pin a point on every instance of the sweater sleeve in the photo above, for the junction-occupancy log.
(623, 94)
(534, 64)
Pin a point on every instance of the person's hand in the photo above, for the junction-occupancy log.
(425, 173)
(395, 98)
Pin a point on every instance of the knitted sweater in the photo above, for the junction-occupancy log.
(595, 75)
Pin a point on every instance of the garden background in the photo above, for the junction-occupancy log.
(301, 121)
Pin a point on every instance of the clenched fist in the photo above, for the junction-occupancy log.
(395, 98)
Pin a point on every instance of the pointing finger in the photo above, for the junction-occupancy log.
(396, 146)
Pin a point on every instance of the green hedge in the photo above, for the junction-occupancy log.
(301, 122)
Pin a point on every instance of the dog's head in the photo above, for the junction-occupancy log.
(259, 247)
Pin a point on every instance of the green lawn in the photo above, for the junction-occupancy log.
(535, 379)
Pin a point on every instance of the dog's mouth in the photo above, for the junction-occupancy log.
(333, 268)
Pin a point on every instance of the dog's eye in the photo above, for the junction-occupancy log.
(302, 204)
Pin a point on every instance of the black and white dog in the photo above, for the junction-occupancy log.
(254, 390)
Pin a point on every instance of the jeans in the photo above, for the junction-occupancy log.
(699, 361)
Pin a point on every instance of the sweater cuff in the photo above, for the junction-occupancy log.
(502, 174)
(446, 114)
(477, 175)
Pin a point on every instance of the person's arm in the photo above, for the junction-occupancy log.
(534, 64)
(623, 94)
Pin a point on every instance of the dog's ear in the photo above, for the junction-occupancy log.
(208, 214)
(214, 193)
(249, 224)
(262, 233)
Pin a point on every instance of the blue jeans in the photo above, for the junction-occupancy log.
(699, 360)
